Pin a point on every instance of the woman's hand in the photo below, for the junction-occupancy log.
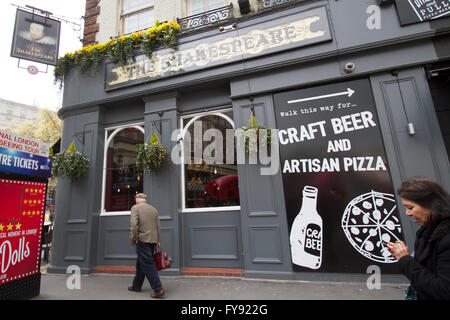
(398, 249)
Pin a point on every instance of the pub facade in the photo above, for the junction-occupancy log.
(358, 94)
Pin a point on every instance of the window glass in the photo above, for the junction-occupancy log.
(199, 6)
(132, 5)
(214, 184)
(137, 15)
(122, 179)
(138, 21)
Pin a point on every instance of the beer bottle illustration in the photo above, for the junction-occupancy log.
(306, 232)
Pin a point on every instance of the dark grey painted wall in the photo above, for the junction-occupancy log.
(421, 154)
(263, 213)
(83, 237)
(76, 227)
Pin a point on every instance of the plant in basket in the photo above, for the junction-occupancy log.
(252, 134)
(151, 155)
(70, 164)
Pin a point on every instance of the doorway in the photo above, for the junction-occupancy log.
(438, 76)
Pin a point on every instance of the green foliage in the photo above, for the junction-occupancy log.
(122, 49)
(72, 147)
(70, 164)
(256, 130)
(154, 139)
(46, 129)
(151, 155)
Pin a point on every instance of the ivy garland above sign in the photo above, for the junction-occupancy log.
(120, 49)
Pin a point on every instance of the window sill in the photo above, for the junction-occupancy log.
(115, 213)
(212, 209)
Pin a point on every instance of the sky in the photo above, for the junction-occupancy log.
(16, 84)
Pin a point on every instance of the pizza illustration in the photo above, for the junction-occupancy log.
(369, 222)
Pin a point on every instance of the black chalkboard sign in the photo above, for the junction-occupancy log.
(413, 11)
(340, 201)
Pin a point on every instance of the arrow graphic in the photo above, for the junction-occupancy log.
(349, 93)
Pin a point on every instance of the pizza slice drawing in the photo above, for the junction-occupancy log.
(369, 222)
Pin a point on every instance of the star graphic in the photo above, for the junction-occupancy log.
(1, 227)
(9, 226)
(18, 225)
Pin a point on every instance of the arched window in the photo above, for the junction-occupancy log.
(209, 176)
(120, 178)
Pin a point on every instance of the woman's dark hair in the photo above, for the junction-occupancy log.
(428, 194)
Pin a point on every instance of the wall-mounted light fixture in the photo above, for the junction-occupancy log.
(227, 28)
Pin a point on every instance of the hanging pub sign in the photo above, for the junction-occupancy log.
(340, 201)
(35, 38)
(413, 11)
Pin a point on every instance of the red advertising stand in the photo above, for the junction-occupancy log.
(24, 171)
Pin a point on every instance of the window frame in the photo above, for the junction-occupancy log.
(194, 117)
(126, 13)
(189, 7)
(115, 130)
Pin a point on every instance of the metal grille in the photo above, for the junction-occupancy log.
(21, 289)
(205, 19)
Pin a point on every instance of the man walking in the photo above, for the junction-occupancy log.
(144, 233)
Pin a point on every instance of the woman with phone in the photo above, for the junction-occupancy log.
(429, 268)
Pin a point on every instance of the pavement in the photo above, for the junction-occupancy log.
(98, 286)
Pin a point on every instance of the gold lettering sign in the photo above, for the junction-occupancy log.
(205, 54)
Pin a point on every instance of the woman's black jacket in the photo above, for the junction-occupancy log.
(429, 270)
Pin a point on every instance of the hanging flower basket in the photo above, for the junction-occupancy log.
(151, 155)
(70, 164)
(251, 136)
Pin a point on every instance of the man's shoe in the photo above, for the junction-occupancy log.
(157, 294)
(130, 288)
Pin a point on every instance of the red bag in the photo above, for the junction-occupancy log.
(161, 259)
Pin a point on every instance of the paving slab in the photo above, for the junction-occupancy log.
(114, 287)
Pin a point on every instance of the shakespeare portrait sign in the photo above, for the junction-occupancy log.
(303, 29)
(36, 38)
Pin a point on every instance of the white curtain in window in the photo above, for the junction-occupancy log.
(199, 6)
(137, 15)
(133, 5)
(138, 21)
